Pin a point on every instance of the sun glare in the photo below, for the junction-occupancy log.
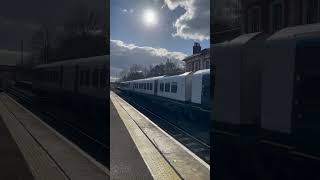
(150, 17)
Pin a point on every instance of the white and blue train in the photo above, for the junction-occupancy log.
(187, 88)
(79, 79)
(270, 81)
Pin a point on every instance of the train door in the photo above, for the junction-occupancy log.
(306, 101)
(156, 87)
(205, 94)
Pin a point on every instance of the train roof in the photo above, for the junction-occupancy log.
(158, 77)
(297, 32)
(203, 71)
(96, 59)
(150, 78)
(177, 76)
(243, 39)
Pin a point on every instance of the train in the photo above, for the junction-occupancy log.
(266, 103)
(270, 81)
(77, 79)
(188, 88)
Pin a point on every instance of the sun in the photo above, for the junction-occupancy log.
(150, 17)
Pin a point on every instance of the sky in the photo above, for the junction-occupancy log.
(20, 19)
(147, 32)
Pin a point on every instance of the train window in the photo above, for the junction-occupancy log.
(147, 86)
(88, 78)
(161, 87)
(81, 78)
(95, 78)
(84, 78)
(56, 76)
(174, 87)
(151, 86)
(102, 78)
(167, 87)
(144, 86)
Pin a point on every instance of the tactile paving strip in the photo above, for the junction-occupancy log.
(41, 165)
(158, 166)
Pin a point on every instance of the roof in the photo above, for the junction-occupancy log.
(203, 51)
(296, 31)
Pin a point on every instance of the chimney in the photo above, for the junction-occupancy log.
(196, 48)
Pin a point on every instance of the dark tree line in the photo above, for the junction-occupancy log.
(138, 71)
(83, 34)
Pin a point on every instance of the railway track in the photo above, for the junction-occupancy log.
(194, 144)
(91, 145)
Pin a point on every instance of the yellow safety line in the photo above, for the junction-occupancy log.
(158, 166)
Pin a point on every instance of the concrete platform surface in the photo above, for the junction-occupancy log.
(125, 159)
(47, 154)
(165, 157)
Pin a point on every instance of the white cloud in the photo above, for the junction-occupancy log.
(127, 10)
(195, 22)
(119, 46)
(123, 55)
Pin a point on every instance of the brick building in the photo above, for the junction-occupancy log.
(200, 59)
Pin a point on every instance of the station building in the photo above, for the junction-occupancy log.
(200, 59)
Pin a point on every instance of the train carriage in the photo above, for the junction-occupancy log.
(183, 90)
(84, 77)
(176, 87)
(47, 77)
(237, 88)
(291, 81)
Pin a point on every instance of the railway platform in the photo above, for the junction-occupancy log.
(139, 148)
(30, 149)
